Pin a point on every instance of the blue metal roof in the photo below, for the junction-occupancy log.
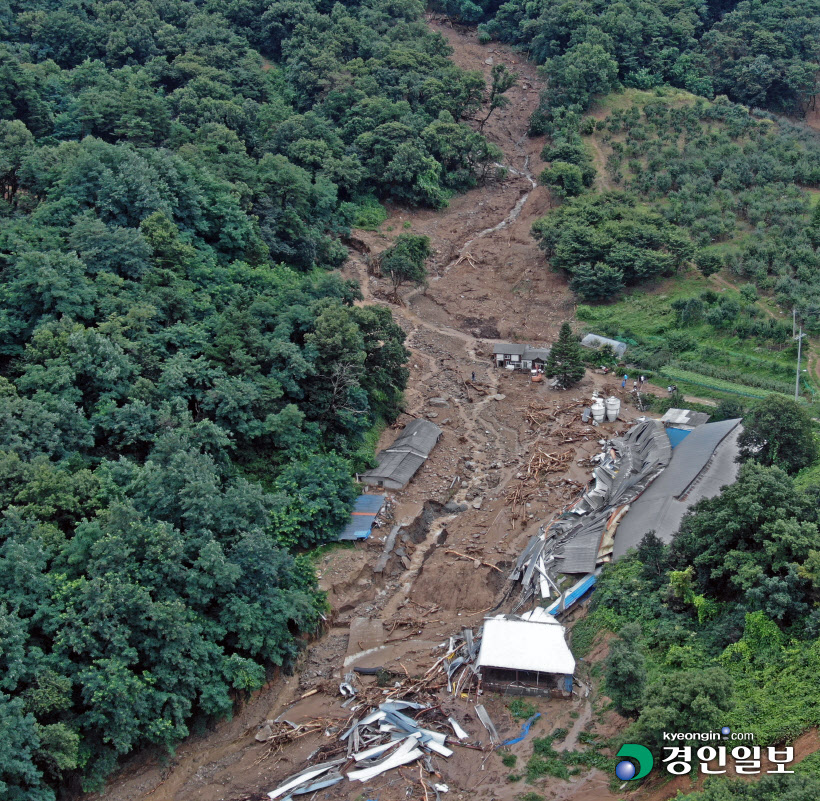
(361, 519)
(578, 590)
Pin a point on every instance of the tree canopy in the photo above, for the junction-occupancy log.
(564, 362)
(405, 260)
(758, 54)
(778, 431)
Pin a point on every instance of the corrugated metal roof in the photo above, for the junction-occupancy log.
(515, 644)
(508, 347)
(580, 554)
(418, 436)
(595, 341)
(661, 507)
(365, 510)
(399, 467)
(690, 457)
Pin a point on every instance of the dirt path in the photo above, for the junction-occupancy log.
(502, 292)
(603, 182)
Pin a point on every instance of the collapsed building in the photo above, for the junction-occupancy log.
(643, 483)
(701, 465)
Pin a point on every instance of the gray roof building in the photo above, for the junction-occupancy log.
(399, 463)
(509, 348)
(700, 466)
(531, 354)
(595, 341)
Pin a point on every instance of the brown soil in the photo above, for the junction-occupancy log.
(426, 594)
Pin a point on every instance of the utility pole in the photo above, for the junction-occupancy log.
(799, 339)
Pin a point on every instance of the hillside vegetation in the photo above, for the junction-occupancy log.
(184, 390)
(720, 626)
(759, 54)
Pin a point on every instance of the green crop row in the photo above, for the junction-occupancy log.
(716, 384)
(740, 377)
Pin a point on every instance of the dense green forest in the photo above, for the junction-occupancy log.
(760, 54)
(185, 390)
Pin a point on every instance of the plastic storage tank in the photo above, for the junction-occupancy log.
(613, 407)
(598, 410)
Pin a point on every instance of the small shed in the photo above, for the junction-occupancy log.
(526, 655)
(595, 341)
(399, 463)
(365, 511)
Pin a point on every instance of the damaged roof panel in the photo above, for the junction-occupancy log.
(701, 464)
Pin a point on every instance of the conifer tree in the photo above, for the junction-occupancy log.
(564, 362)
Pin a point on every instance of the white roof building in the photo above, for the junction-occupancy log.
(534, 644)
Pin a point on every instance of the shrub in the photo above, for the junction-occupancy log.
(521, 710)
(369, 214)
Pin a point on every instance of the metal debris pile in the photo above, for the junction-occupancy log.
(392, 732)
(581, 537)
(459, 663)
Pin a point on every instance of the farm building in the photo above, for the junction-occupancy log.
(399, 463)
(701, 464)
(526, 655)
(362, 517)
(595, 341)
(519, 357)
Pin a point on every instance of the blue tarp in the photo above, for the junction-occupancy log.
(362, 517)
(524, 731)
(677, 435)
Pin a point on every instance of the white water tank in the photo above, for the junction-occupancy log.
(613, 407)
(598, 410)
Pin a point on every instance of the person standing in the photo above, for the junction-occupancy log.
(473, 379)
(635, 385)
(643, 380)
(623, 383)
